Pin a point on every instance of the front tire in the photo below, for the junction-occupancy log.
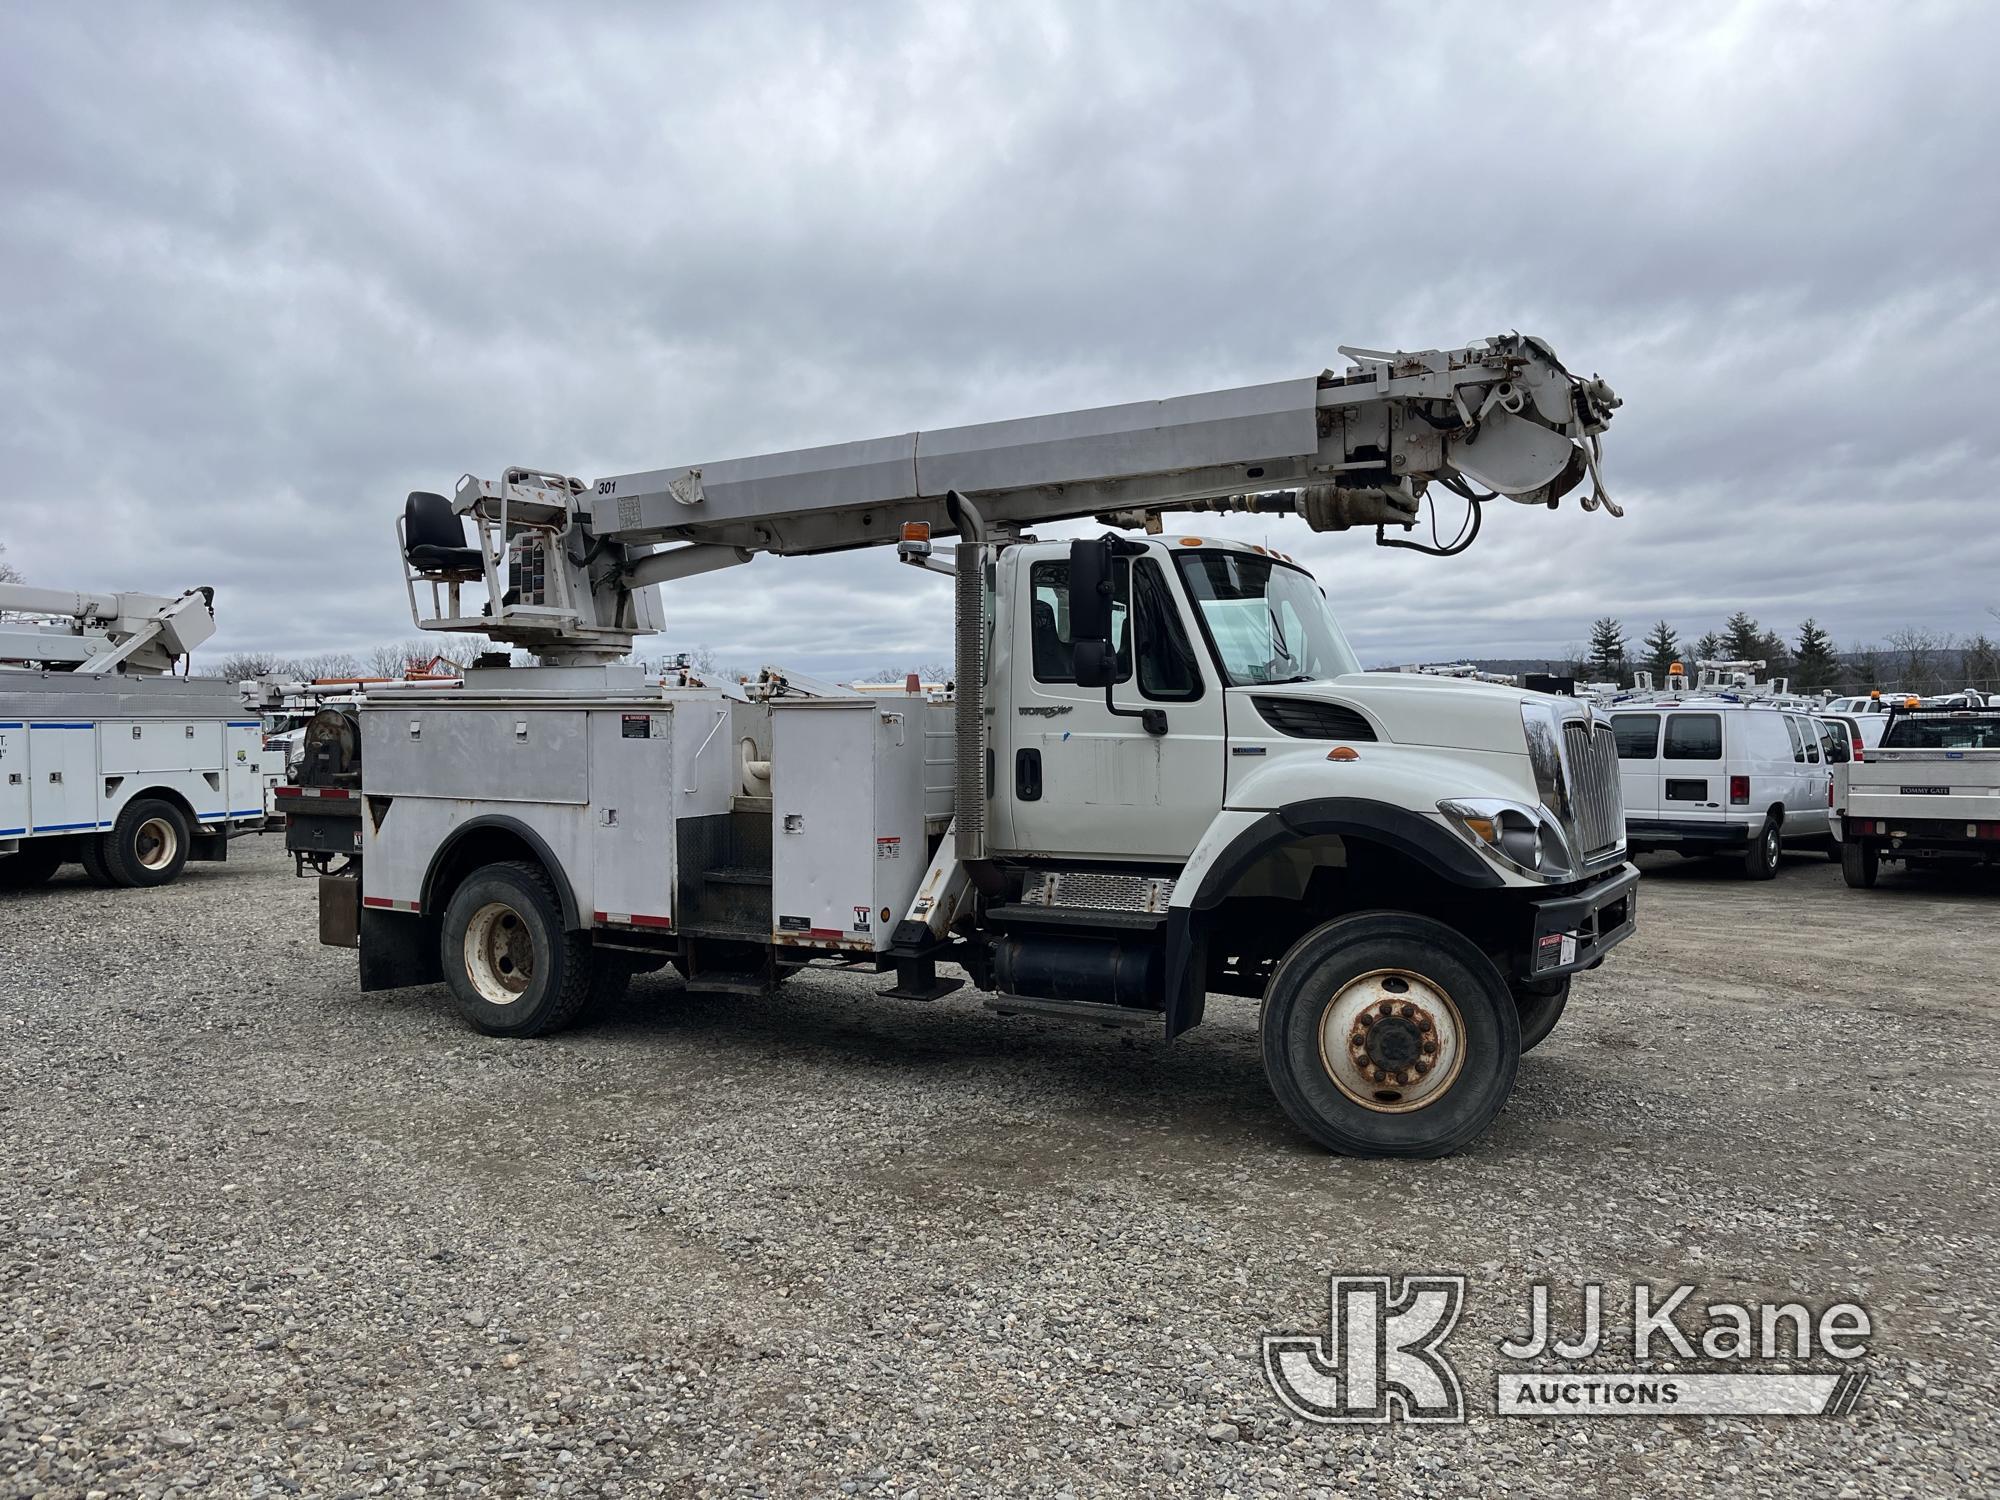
(1389, 1034)
(510, 964)
(1860, 864)
(1760, 860)
(148, 845)
(1540, 1003)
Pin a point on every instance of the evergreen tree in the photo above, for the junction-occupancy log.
(1741, 638)
(1607, 647)
(1708, 648)
(1663, 649)
(1815, 665)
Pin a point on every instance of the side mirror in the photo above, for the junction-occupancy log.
(1096, 656)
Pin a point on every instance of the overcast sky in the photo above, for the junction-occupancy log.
(266, 269)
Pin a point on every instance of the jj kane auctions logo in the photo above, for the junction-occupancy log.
(1383, 1357)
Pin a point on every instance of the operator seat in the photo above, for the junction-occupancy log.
(1054, 657)
(434, 539)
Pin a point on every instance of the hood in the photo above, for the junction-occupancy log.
(1447, 712)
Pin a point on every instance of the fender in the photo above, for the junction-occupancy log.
(499, 822)
(1207, 880)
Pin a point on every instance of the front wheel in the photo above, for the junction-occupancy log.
(508, 961)
(1860, 864)
(1389, 1034)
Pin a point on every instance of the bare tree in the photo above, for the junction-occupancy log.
(245, 665)
(328, 664)
(8, 572)
(1916, 658)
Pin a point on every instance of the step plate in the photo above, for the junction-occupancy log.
(1093, 890)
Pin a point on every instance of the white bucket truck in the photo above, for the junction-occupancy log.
(1161, 776)
(106, 758)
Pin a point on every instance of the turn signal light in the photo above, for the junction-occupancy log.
(916, 531)
(1739, 791)
(1343, 752)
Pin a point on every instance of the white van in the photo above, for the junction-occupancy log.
(1711, 776)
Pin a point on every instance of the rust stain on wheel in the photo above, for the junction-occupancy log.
(499, 954)
(1392, 1040)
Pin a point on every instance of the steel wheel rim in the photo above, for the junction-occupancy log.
(155, 842)
(1392, 1041)
(1771, 844)
(499, 954)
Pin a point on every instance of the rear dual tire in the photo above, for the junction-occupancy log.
(148, 845)
(1389, 1034)
(36, 861)
(512, 966)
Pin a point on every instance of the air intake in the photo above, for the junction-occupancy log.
(1311, 719)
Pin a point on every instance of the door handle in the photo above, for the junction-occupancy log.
(1027, 775)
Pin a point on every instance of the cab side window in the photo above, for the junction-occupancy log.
(1167, 668)
(1798, 740)
(1048, 624)
(1167, 663)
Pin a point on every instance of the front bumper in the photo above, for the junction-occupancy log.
(1575, 932)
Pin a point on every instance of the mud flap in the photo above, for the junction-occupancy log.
(1187, 973)
(398, 949)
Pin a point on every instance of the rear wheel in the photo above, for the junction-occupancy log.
(148, 845)
(32, 866)
(1760, 861)
(1860, 864)
(508, 960)
(1541, 1003)
(1389, 1034)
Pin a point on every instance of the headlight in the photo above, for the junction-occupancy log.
(1523, 838)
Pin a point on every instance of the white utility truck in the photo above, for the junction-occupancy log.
(1928, 794)
(108, 759)
(1161, 774)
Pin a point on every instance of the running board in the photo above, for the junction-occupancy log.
(1073, 1010)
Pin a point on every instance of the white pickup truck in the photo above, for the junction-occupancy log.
(1928, 794)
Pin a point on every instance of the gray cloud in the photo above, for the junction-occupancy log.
(266, 269)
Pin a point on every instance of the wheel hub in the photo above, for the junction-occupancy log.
(1392, 1040)
(155, 843)
(499, 953)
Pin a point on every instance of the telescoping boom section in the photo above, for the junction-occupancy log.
(565, 562)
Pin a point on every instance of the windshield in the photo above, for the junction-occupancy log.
(1945, 731)
(1266, 621)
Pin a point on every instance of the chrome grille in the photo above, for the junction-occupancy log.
(1592, 752)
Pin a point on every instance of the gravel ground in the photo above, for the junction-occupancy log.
(262, 1234)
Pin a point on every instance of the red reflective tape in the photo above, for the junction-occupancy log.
(288, 791)
(378, 901)
(639, 921)
(825, 932)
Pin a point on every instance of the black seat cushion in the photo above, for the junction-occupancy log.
(434, 538)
